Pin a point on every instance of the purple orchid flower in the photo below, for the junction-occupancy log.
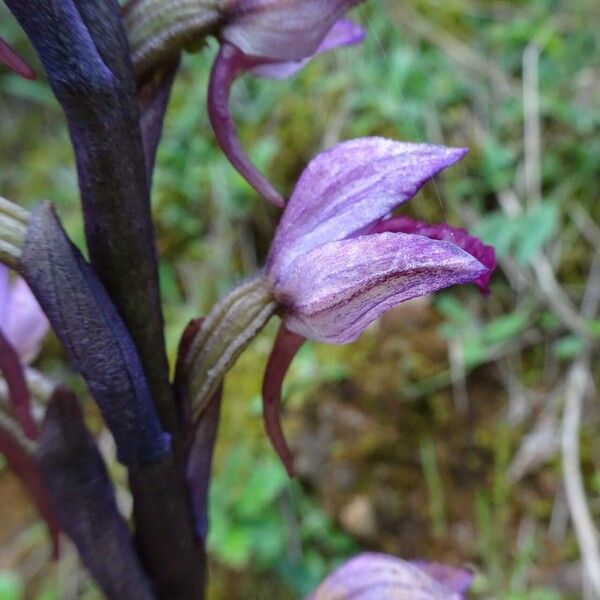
(22, 321)
(372, 576)
(270, 38)
(14, 62)
(338, 261)
(23, 326)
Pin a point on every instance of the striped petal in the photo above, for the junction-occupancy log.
(346, 189)
(333, 292)
(455, 235)
(282, 30)
(343, 33)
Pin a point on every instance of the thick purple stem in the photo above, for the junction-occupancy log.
(86, 57)
(85, 54)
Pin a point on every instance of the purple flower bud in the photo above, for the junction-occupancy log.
(331, 270)
(22, 320)
(270, 38)
(373, 576)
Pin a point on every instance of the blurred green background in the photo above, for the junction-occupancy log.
(443, 432)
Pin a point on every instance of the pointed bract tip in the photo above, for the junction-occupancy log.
(14, 62)
(285, 348)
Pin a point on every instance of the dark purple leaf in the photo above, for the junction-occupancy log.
(83, 498)
(95, 338)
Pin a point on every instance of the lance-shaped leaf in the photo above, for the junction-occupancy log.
(95, 338)
(153, 97)
(83, 499)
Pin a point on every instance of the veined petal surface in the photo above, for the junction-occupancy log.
(343, 33)
(333, 292)
(284, 30)
(442, 231)
(21, 319)
(346, 189)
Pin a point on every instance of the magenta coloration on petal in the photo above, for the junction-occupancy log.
(14, 62)
(372, 576)
(454, 578)
(346, 189)
(282, 30)
(455, 235)
(332, 292)
(230, 62)
(285, 348)
(343, 33)
(21, 318)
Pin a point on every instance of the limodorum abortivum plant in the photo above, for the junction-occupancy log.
(340, 257)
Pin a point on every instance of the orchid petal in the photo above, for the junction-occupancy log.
(454, 578)
(285, 348)
(343, 33)
(14, 62)
(230, 62)
(347, 188)
(372, 576)
(25, 324)
(280, 30)
(18, 391)
(334, 291)
(455, 235)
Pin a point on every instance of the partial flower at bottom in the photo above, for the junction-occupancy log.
(372, 576)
